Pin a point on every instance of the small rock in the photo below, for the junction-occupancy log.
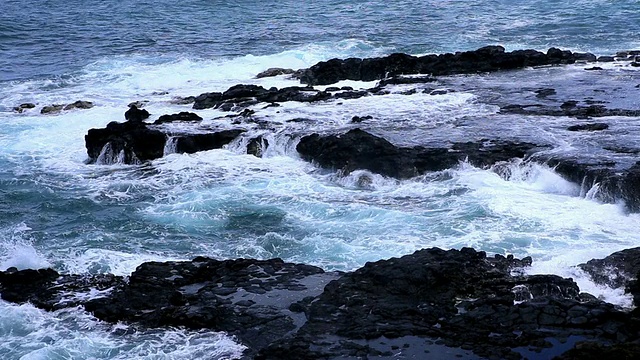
(79, 105)
(178, 100)
(589, 127)
(136, 115)
(593, 68)
(51, 109)
(139, 104)
(606, 59)
(20, 108)
(359, 119)
(274, 72)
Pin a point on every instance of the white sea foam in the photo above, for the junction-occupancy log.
(17, 249)
(29, 333)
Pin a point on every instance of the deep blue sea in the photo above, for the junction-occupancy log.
(55, 210)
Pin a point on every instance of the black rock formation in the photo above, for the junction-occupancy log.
(293, 311)
(489, 58)
(358, 149)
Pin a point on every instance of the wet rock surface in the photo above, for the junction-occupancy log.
(486, 59)
(358, 149)
(461, 301)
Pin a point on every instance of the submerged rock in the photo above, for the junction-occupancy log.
(589, 127)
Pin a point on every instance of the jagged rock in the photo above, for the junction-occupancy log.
(51, 109)
(489, 58)
(192, 143)
(207, 100)
(294, 311)
(615, 270)
(257, 146)
(274, 72)
(130, 142)
(182, 116)
(598, 351)
(136, 115)
(462, 297)
(22, 107)
(358, 149)
(80, 104)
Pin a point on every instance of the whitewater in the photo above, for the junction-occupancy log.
(58, 211)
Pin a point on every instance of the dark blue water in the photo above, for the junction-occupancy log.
(57, 37)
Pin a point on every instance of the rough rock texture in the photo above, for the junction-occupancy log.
(244, 95)
(400, 306)
(615, 270)
(182, 116)
(136, 115)
(358, 149)
(614, 185)
(24, 106)
(489, 58)
(133, 139)
(80, 104)
(192, 143)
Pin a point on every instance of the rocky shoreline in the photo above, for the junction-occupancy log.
(356, 147)
(463, 301)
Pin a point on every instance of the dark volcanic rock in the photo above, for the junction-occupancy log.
(80, 104)
(489, 58)
(51, 109)
(191, 143)
(358, 149)
(589, 127)
(129, 142)
(22, 107)
(614, 185)
(615, 270)
(274, 72)
(462, 297)
(294, 311)
(136, 115)
(248, 298)
(182, 116)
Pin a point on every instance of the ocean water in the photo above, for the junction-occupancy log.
(57, 211)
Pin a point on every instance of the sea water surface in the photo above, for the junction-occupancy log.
(55, 210)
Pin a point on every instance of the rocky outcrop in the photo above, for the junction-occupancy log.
(568, 108)
(614, 185)
(182, 116)
(462, 298)
(358, 149)
(616, 270)
(245, 95)
(136, 115)
(192, 143)
(24, 106)
(129, 143)
(489, 58)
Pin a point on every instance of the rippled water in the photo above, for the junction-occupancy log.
(57, 211)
